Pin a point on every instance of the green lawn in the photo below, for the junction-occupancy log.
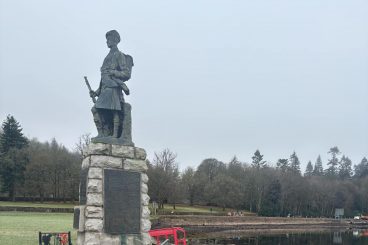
(22, 228)
(183, 208)
(38, 204)
(167, 207)
(192, 209)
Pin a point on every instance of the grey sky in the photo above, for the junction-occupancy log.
(211, 78)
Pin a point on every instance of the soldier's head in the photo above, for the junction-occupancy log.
(112, 38)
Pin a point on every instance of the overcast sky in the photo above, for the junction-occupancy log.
(211, 78)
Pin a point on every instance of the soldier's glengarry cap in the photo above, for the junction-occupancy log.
(114, 34)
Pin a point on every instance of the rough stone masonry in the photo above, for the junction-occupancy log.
(115, 207)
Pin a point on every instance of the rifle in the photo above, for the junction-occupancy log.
(89, 88)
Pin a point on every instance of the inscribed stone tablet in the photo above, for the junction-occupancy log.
(83, 187)
(122, 202)
(76, 218)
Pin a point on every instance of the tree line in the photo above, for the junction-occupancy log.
(262, 188)
(33, 170)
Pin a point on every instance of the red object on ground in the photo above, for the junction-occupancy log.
(175, 235)
(364, 217)
(64, 238)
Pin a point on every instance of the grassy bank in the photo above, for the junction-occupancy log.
(37, 204)
(168, 208)
(183, 208)
(189, 209)
(22, 228)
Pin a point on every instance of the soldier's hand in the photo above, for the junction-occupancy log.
(115, 73)
(127, 92)
(92, 93)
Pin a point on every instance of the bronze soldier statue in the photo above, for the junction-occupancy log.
(111, 114)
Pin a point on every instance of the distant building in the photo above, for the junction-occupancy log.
(339, 213)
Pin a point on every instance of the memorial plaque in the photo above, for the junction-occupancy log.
(76, 218)
(83, 187)
(122, 202)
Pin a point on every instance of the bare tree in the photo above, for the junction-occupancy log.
(163, 176)
(83, 141)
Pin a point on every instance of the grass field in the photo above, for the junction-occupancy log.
(22, 228)
(195, 209)
(183, 208)
(167, 207)
(38, 204)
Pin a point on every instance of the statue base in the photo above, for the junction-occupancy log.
(113, 197)
(112, 140)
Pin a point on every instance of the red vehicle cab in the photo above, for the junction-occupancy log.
(176, 235)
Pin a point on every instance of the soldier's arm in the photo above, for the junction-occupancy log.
(98, 91)
(123, 86)
(125, 72)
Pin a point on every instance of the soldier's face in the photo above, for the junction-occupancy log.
(110, 41)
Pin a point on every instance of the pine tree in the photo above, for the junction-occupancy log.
(283, 165)
(318, 167)
(12, 135)
(294, 163)
(309, 169)
(257, 160)
(333, 162)
(361, 170)
(345, 170)
(13, 158)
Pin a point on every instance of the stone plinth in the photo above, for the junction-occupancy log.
(113, 177)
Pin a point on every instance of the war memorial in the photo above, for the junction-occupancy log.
(113, 197)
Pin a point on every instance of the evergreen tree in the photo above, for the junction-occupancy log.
(13, 165)
(11, 136)
(345, 170)
(309, 169)
(294, 163)
(257, 160)
(318, 167)
(361, 170)
(283, 165)
(13, 158)
(333, 162)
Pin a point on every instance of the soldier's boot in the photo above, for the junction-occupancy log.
(116, 125)
(98, 122)
(99, 131)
